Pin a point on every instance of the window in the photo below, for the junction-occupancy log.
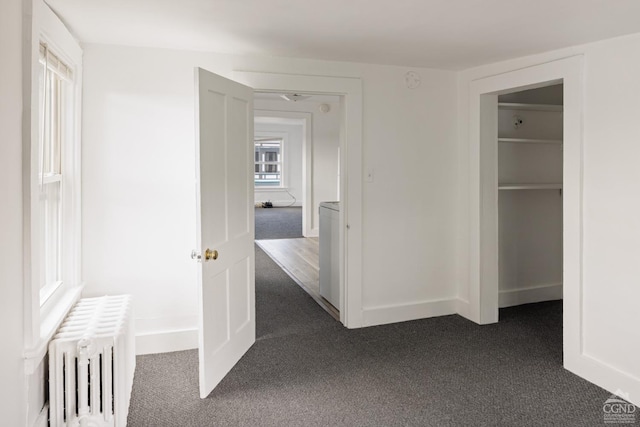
(55, 110)
(52, 220)
(268, 163)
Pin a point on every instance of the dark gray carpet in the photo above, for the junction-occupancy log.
(307, 370)
(278, 223)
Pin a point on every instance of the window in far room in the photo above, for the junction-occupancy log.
(268, 163)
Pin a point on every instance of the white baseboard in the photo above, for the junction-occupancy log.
(166, 341)
(463, 308)
(403, 312)
(605, 376)
(314, 232)
(511, 297)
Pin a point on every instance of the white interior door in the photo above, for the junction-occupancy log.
(225, 225)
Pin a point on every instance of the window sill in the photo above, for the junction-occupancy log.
(51, 316)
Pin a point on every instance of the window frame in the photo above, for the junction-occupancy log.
(283, 137)
(55, 95)
(42, 320)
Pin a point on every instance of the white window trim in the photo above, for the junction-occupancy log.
(48, 290)
(284, 181)
(42, 319)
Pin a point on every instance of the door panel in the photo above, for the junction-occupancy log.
(216, 292)
(237, 155)
(213, 167)
(239, 295)
(225, 231)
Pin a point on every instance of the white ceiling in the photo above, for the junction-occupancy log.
(448, 34)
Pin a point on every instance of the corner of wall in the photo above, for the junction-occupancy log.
(14, 16)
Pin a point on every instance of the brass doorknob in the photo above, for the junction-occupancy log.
(210, 254)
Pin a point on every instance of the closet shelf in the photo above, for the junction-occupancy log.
(529, 186)
(530, 107)
(530, 141)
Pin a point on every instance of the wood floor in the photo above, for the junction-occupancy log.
(299, 258)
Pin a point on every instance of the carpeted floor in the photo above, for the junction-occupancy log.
(307, 370)
(278, 223)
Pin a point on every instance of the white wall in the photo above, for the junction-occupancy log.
(22, 396)
(138, 187)
(409, 227)
(611, 212)
(138, 183)
(13, 395)
(326, 155)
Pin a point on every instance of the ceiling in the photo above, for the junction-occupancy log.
(446, 34)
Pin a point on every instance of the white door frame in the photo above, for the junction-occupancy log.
(350, 90)
(303, 119)
(483, 93)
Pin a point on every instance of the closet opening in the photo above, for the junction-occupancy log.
(530, 202)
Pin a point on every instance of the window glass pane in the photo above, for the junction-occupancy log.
(58, 124)
(268, 163)
(52, 129)
(53, 112)
(51, 228)
(49, 123)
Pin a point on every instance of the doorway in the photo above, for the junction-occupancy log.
(224, 216)
(350, 217)
(529, 139)
(297, 155)
(483, 192)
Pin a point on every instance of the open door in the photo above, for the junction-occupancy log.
(225, 225)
